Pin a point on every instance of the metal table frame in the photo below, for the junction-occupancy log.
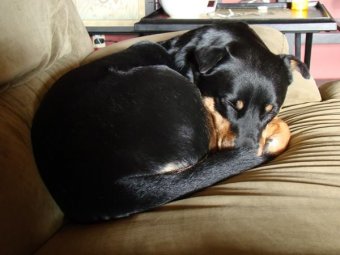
(158, 22)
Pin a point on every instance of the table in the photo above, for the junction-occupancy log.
(278, 15)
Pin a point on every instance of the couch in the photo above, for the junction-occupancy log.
(290, 205)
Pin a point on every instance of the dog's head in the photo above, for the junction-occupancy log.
(245, 81)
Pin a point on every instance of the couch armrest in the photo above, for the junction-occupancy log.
(330, 90)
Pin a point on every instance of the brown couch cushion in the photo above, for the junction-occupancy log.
(34, 35)
(40, 40)
(330, 90)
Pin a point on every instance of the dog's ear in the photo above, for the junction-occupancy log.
(208, 57)
(294, 63)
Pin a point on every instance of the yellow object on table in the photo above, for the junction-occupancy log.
(299, 5)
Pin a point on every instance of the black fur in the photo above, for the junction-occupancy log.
(128, 133)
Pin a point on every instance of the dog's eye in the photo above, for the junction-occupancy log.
(268, 108)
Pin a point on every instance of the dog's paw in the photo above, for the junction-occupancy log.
(275, 138)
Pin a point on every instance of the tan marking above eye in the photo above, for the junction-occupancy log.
(269, 108)
(239, 105)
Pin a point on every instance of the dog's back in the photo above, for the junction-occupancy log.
(126, 134)
(126, 115)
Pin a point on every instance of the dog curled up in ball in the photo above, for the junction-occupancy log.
(156, 122)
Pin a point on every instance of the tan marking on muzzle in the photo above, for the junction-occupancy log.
(275, 138)
(221, 136)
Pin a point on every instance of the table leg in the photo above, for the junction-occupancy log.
(308, 48)
(298, 45)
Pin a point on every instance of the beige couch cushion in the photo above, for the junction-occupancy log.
(34, 35)
(330, 90)
(40, 40)
(300, 91)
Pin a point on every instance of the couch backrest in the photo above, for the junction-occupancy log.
(40, 40)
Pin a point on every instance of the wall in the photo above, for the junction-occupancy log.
(325, 62)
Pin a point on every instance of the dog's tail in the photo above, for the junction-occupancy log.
(140, 193)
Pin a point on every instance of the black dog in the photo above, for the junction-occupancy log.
(127, 133)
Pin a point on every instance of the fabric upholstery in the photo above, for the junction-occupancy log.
(40, 41)
(330, 90)
(36, 34)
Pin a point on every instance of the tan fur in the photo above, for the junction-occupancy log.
(293, 65)
(239, 105)
(274, 139)
(221, 135)
(269, 108)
